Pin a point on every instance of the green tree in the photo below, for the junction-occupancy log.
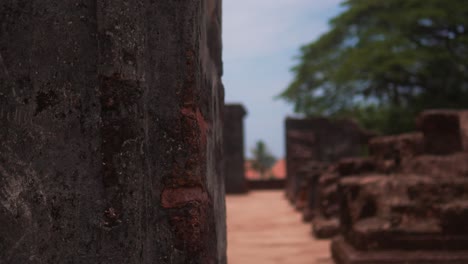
(262, 160)
(383, 61)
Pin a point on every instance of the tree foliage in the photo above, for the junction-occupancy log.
(383, 61)
(262, 160)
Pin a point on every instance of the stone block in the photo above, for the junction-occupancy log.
(325, 228)
(454, 165)
(402, 212)
(306, 182)
(344, 253)
(234, 163)
(325, 202)
(445, 131)
(269, 184)
(318, 197)
(390, 152)
(414, 214)
(355, 166)
(453, 217)
(321, 140)
(397, 148)
(308, 214)
(413, 209)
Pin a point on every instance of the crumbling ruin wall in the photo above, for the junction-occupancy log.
(299, 150)
(234, 162)
(387, 156)
(413, 210)
(110, 138)
(320, 140)
(445, 131)
(326, 222)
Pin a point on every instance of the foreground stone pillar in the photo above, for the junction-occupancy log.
(110, 138)
(234, 164)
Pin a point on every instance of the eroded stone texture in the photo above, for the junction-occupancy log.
(410, 214)
(445, 131)
(454, 165)
(413, 212)
(268, 184)
(234, 164)
(343, 253)
(310, 188)
(306, 182)
(321, 140)
(111, 144)
(356, 166)
(326, 222)
(391, 151)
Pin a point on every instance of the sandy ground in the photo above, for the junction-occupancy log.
(264, 229)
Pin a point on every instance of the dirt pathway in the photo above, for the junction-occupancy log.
(264, 229)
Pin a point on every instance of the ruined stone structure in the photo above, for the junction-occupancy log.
(268, 184)
(325, 223)
(416, 212)
(321, 140)
(308, 175)
(445, 131)
(110, 132)
(388, 153)
(234, 164)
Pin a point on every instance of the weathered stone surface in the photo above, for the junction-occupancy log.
(269, 184)
(110, 138)
(299, 146)
(445, 131)
(390, 151)
(321, 140)
(453, 217)
(308, 214)
(234, 164)
(454, 165)
(414, 211)
(356, 166)
(344, 253)
(306, 182)
(325, 228)
(328, 203)
(311, 190)
(404, 212)
(323, 206)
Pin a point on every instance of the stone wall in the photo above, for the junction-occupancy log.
(326, 206)
(445, 131)
(110, 138)
(269, 184)
(234, 164)
(412, 210)
(320, 140)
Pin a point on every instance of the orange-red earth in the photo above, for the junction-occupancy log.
(263, 228)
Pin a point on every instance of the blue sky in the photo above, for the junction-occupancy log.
(261, 39)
